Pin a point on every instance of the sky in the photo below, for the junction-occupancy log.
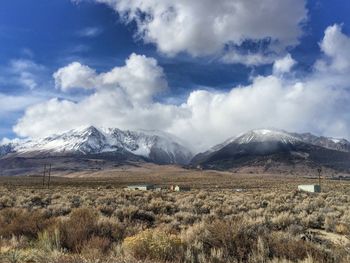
(203, 70)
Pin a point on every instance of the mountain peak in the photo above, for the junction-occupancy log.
(265, 135)
(276, 149)
(152, 145)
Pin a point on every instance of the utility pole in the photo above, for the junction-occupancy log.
(48, 183)
(319, 170)
(44, 174)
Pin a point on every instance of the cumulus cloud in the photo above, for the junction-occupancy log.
(75, 75)
(141, 78)
(206, 27)
(283, 65)
(318, 103)
(336, 47)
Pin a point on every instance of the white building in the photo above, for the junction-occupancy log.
(180, 188)
(312, 188)
(143, 187)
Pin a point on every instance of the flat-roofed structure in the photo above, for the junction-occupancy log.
(180, 188)
(143, 187)
(312, 188)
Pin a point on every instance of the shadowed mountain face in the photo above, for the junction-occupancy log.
(272, 150)
(92, 148)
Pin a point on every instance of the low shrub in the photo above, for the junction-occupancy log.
(20, 222)
(110, 229)
(154, 245)
(342, 228)
(96, 246)
(235, 239)
(78, 229)
(49, 240)
(284, 246)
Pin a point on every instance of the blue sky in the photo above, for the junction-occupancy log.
(38, 37)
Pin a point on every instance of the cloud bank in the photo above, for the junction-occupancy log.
(208, 27)
(125, 97)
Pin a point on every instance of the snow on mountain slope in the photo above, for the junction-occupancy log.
(157, 146)
(268, 148)
(265, 135)
(327, 142)
(270, 135)
(260, 135)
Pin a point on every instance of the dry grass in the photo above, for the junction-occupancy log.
(96, 220)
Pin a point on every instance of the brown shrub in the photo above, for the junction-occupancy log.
(235, 239)
(96, 246)
(342, 229)
(329, 223)
(5, 202)
(113, 230)
(78, 229)
(283, 246)
(154, 245)
(22, 222)
(106, 210)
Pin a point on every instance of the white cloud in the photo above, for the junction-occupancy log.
(75, 75)
(90, 32)
(283, 65)
(104, 108)
(24, 72)
(318, 103)
(205, 27)
(336, 47)
(11, 103)
(141, 78)
(249, 59)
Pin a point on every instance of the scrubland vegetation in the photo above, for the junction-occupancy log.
(263, 222)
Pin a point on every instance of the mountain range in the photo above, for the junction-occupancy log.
(269, 150)
(91, 148)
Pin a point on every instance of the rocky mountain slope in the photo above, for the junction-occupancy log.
(80, 146)
(275, 150)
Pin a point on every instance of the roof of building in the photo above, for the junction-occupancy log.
(140, 185)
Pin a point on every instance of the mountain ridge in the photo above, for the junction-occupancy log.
(272, 148)
(323, 141)
(98, 148)
(156, 146)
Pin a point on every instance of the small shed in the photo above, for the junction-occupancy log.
(312, 188)
(179, 188)
(143, 187)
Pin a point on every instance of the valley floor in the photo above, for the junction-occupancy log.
(226, 217)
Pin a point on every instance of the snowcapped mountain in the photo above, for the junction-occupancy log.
(327, 142)
(91, 149)
(154, 146)
(276, 147)
(274, 135)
